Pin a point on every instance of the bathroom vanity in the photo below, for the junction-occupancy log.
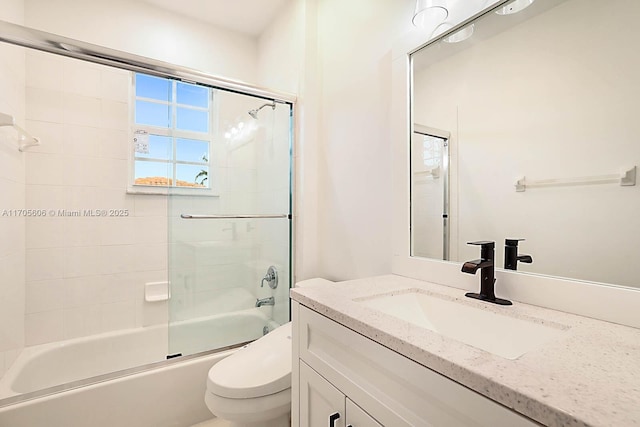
(393, 351)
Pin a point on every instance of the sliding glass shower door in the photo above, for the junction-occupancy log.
(230, 226)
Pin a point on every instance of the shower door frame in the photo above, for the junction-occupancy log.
(30, 38)
(47, 42)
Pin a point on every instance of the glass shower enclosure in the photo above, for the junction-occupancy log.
(223, 159)
(230, 248)
(164, 214)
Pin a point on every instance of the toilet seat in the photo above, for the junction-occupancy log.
(258, 369)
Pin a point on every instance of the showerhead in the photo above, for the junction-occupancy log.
(254, 113)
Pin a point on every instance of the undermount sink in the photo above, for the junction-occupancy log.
(501, 335)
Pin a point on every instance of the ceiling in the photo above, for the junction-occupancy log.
(249, 17)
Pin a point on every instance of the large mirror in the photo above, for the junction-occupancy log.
(526, 127)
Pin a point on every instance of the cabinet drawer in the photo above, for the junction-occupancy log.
(395, 390)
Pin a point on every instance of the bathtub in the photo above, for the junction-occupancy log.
(120, 378)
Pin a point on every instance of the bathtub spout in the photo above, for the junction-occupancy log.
(265, 301)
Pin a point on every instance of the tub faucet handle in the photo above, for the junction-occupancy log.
(271, 278)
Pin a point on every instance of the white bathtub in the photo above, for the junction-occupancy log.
(167, 395)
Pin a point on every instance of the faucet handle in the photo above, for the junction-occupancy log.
(483, 243)
(511, 257)
(512, 242)
(487, 249)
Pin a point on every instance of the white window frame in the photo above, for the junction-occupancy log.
(172, 132)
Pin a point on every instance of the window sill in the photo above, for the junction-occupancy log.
(151, 190)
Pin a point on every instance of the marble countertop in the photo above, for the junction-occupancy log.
(588, 377)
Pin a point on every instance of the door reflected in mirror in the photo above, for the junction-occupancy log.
(539, 108)
(430, 192)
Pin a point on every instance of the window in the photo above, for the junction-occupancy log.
(172, 133)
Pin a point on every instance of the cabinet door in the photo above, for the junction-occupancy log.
(321, 404)
(356, 417)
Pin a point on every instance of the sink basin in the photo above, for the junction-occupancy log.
(501, 335)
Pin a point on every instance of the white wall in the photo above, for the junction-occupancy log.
(288, 58)
(354, 168)
(281, 49)
(343, 151)
(12, 196)
(142, 29)
(356, 40)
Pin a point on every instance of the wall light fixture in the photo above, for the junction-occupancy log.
(460, 35)
(429, 12)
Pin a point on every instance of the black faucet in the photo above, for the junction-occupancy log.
(511, 256)
(487, 273)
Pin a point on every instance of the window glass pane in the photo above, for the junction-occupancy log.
(153, 173)
(189, 94)
(153, 87)
(192, 176)
(193, 120)
(149, 113)
(192, 150)
(159, 148)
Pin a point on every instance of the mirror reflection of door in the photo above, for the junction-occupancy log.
(429, 193)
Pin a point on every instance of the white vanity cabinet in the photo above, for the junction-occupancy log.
(336, 370)
(326, 405)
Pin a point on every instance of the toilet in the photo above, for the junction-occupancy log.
(252, 387)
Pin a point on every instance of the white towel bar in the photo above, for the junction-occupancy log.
(625, 178)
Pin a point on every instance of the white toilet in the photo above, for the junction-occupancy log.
(252, 387)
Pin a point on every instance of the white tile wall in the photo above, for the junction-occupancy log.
(80, 321)
(85, 275)
(45, 169)
(45, 326)
(115, 115)
(118, 315)
(82, 261)
(118, 287)
(44, 105)
(117, 259)
(44, 295)
(51, 79)
(44, 264)
(45, 196)
(44, 232)
(80, 110)
(81, 141)
(53, 133)
(12, 196)
(81, 78)
(114, 86)
(113, 144)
